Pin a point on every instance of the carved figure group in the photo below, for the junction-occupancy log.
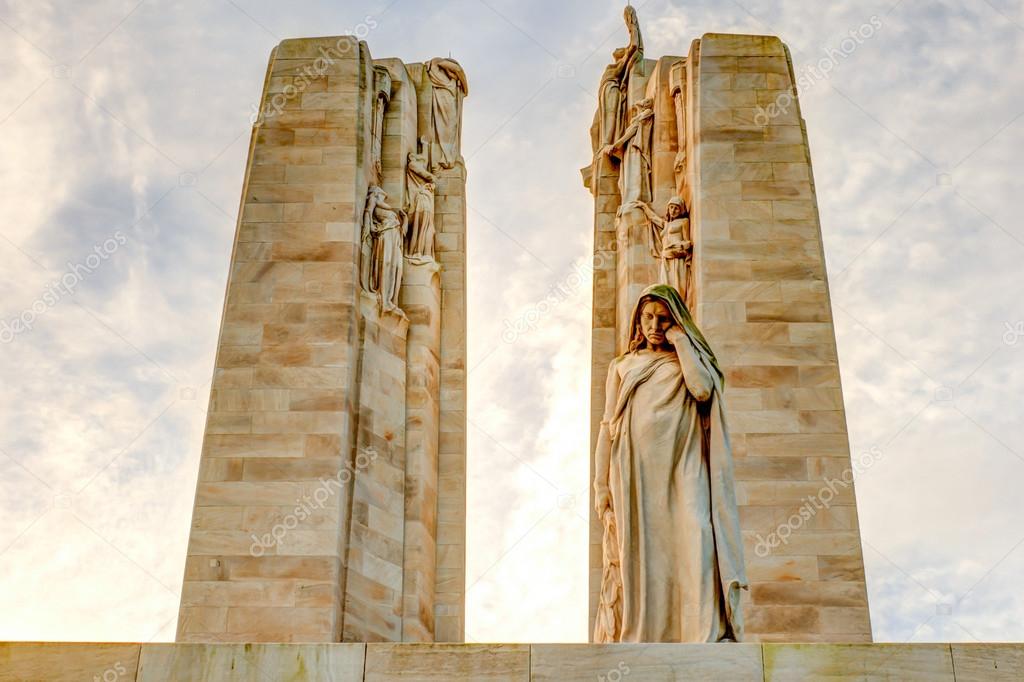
(671, 244)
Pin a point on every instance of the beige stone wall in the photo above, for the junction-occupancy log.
(281, 411)
(57, 662)
(421, 300)
(450, 585)
(764, 306)
(374, 580)
(330, 502)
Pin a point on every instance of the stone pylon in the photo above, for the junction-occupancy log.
(330, 504)
(728, 139)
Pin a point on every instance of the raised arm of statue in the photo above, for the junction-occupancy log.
(696, 376)
(658, 221)
(615, 148)
(636, 41)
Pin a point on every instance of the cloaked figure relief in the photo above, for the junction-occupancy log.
(671, 244)
(663, 488)
(383, 232)
(420, 182)
(450, 86)
(633, 150)
(677, 81)
(382, 96)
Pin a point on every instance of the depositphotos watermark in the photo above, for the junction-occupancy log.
(812, 504)
(580, 274)
(314, 70)
(616, 674)
(813, 73)
(112, 674)
(307, 504)
(1014, 333)
(65, 285)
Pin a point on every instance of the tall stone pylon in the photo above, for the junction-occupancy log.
(720, 130)
(330, 503)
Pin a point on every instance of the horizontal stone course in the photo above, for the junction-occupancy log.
(769, 662)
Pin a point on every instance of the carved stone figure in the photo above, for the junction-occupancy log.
(383, 232)
(671, 245)
(420, 243)
(633, 149)
(677, 81)
(635, 39)
(610, 117)
(450, 86)
(673, 555)
(382, 96)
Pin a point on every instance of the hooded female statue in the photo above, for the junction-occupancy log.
(663, 487)
(449, 88)
(420, 183)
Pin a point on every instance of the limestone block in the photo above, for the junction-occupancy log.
(245, 662)
(976, 662)
(447, 662)
(777, 569)
(60, 661)
(931, 662)
(770, 468)
(849, 620)
(810, 593)
(558, 662)
(731, 46)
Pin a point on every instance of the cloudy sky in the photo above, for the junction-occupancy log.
(123, 134)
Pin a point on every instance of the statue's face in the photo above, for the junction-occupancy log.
(655, 320)
(674, 211)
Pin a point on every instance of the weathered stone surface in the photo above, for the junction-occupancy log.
(386, 662)
(978, 662)
(783, 662)
(65, 661)
(245, 662)
(764, 305)
(49, 661)
(557, 662)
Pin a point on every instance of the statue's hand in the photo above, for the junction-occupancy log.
(602, 500)
(675, 334)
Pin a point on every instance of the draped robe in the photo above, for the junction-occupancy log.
(673, 555)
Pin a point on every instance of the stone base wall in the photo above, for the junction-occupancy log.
(57, 662)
